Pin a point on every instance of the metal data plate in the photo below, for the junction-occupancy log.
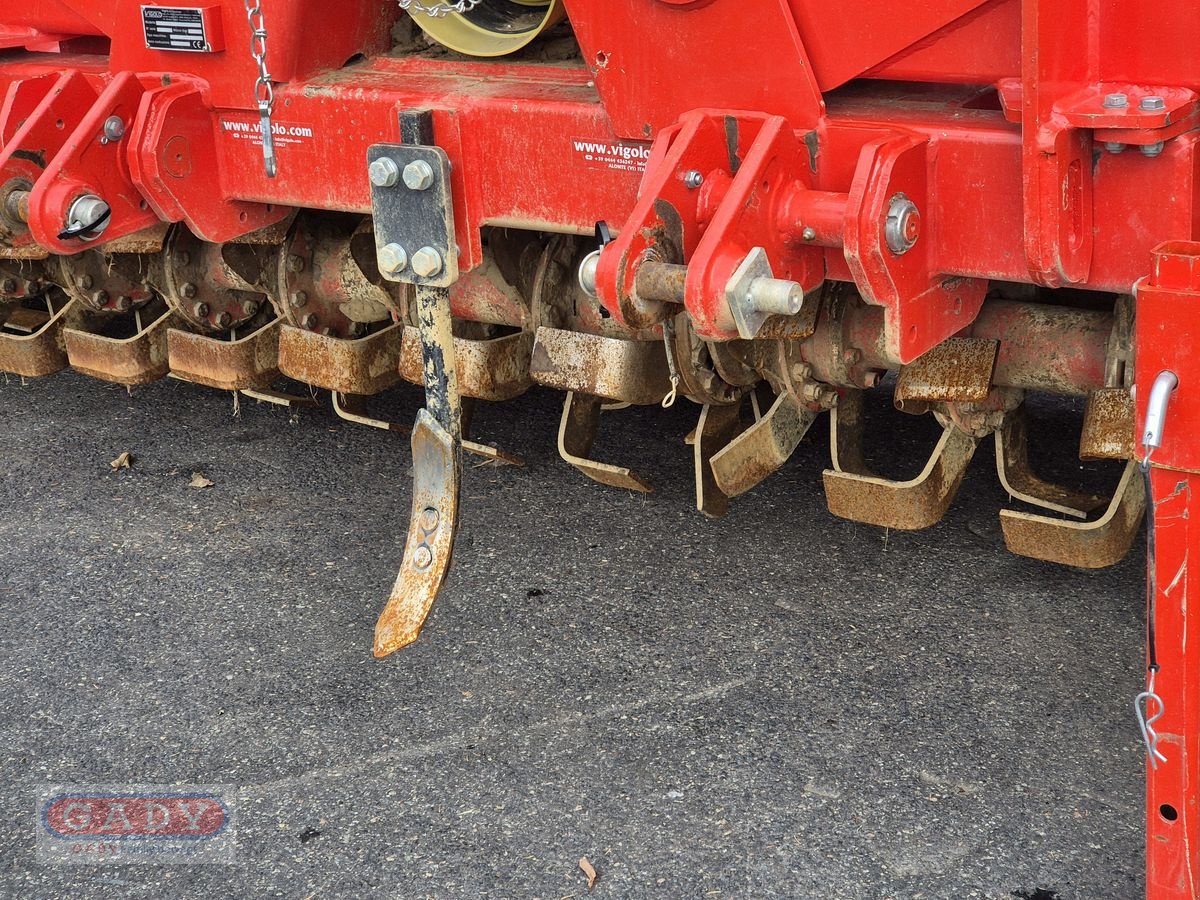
(187, 29)
(416, 219)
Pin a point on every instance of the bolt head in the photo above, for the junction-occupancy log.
(309, 321)
(1153, 150)
(903, 225)
(100, 297)
(1114, 146)
(393, 259)
(124, 303)
(1115, 101)
(1152, 104)
(384, 172)
(200, 310)
(418, 175)
(422, 557)
(809, 233)
(86, 282)
(249, 307)
(224, 320)
(299, 299)
(427, 262)
(114, 128)
(8, 286)
(187, 290)
(693, 179)
(295, 263)
(429, 518)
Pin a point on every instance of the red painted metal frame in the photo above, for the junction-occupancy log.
(1009, 154)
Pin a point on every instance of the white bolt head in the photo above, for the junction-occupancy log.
(384, 173)
(393, 259)
(427, 262)
(1115, 101)
(418, 175)
(1153, 104)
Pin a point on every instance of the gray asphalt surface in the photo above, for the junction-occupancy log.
(777, 704)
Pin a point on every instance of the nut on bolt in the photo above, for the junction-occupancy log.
(903, 225)
(693, 178)
(393, 259)
(427, 262)
(200, 310)
(384, 172)
(418, 175)
(299, 299)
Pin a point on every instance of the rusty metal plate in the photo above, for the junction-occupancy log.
(496, 369)
(364, 366)
(718, 426)
(431, 530)
(140, 359)
(903, 505)
(41, 351)
(1088, 545)
(625, 371)
(576, 434)
(763, 447)
(958, 369)
(1108, 425)
(246, 363)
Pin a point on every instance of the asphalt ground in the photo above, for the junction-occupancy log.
(776, 704)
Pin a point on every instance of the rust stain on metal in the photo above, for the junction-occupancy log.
(243, 364)
(622, 370)
(903, 505)
(764, 447)
(1108, 425)
(1088, 545)
(31, 341)
(495, 369)
(365, 366)
(140, 359)
(958, 369)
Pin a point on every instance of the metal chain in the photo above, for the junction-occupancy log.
(438, 10)
(264, 90)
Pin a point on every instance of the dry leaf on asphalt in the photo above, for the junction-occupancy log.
(588, 870)
(124, 461)
(199, 481)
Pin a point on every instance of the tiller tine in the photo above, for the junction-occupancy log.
(1108, 427)
(437, 473)
(1088, 545)
(139, 359)
(764, 447)
(718, 426)
(31, 340)
(577, 432)
(365, 365)
(903, 505)
(237, 364)
(1019, 479)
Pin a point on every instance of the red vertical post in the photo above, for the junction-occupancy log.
(1168, 340)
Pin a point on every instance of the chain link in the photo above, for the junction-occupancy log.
(264, 90)
(438, 10)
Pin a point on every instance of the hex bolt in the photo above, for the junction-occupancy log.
(1152, 150)
(114, 128)
(1152, 104)
(422, 557)
(86, 282)
(8, 286)
(299, 299)
(429, 518)
(187, 290)
(1115, 101)
(393, 259)
(224, 320)
(295, 263)
(427, 262)
(812, 392)
(418, 175)
(775, 296)
(1114, 146)
(903, 225)
(200, 310)
(384, 172)
(809, 233)
(100, 297)
(693, 178)
(309, 321)
(124, 303)
(249, 307)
